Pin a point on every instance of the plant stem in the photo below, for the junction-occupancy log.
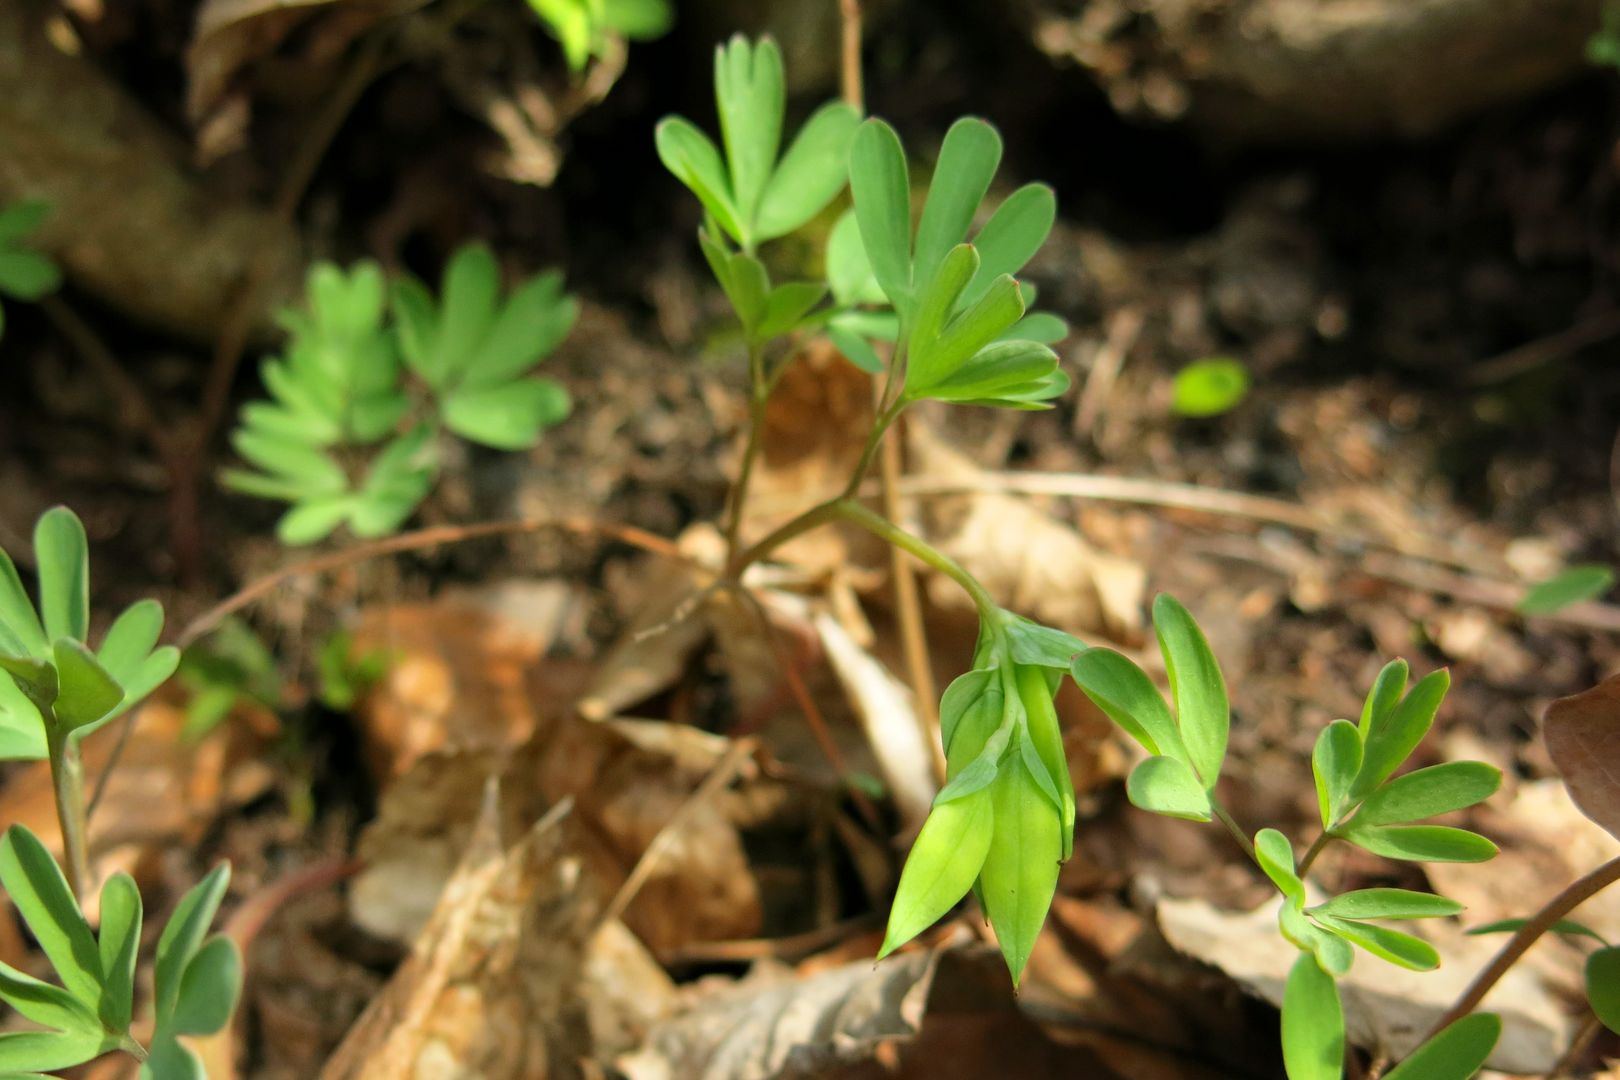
(869, 451)
(1575, 894)
(1225, 818)
(1316, 848)
(67, 782)
(758, 394)
(847, 509)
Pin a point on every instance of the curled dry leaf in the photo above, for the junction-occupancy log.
(1583, 738)
(771, 1026)
(490, 991)
(627, 781)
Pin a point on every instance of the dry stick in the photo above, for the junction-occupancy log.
(1123, 330)
(1559, 906)
(1545, 350)
(1577, 1047)
(417, 541)
(718, 777)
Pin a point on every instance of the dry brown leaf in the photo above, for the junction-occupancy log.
(887, 709)
(771, 1026)
(460, 672)
(1583, 738)
(1387, 1008)
(490, 991)
(627, 780)
(1030, 562)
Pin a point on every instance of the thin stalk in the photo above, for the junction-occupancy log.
(869, 451)
(1316, 848)
(885, 530)
(1225, 818)
(67, 783)
(1573, 896)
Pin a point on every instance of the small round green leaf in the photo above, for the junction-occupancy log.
(209, 988)
(1276, 857)
(1209, 387)
(1603, 985)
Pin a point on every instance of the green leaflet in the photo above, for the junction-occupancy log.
(1438, 789)
(25, 274)
(1392, 735)
(1456, 1053)
(1335, 763)
(1168, 786)
(1312, 1023)
(384, 368)
(1196, 685)
(1603, 985)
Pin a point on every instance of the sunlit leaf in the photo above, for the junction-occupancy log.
(1312, 1023)
(1456, 1053)
(1577, 584)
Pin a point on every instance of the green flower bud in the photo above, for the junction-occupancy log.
(1004, 821)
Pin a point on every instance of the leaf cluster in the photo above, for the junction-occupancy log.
(197, 978)
(25, 274)
(371, 375)
(586, 29)
(55, 685)
(963, 326)
(1361, 801)
(1004, 822)
(1602, 969)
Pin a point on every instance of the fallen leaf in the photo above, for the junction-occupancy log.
(490, 989)
(1583, 738)
(771, 1025)
(888, 711)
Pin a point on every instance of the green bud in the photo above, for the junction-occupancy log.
(1005, 821)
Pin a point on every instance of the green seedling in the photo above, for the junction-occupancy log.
(53, 691)
(25, 274)
(1360, 801)
(366, 388)
(197, 978)
(586, 29)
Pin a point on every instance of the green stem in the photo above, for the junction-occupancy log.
(846, 509)
(1317, 847)
(67, 781)
(884, 529)
(1232, 827)
(869, 451)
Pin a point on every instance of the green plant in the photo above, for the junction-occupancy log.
(1603, 47)
(1578, 583)
(231, 666)
(54, 691)
(1601, 975)
(197, 979)
(587, 28)
(364, 389)
(1209, 387)
(25, 274)
(1360, 801)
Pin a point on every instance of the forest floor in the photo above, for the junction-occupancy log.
(1430, 329)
